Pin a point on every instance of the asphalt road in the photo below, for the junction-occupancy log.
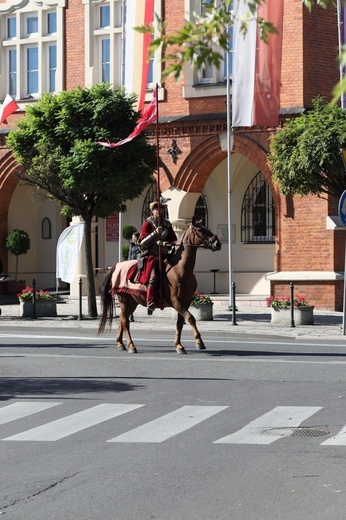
(252, 428)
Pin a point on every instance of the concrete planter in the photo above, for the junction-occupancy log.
(44, 309)
(302, 316)
(200, 312)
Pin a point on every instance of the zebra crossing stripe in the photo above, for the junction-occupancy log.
(169, 425)
(76, 422)
(279, 417)
(18, 410)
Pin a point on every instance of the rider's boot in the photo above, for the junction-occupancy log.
(151, 293)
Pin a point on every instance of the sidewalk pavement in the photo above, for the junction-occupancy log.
(250, 320)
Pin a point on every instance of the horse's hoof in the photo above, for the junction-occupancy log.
(180, 350)
(132, 350)
(121, 346)
(200, 346)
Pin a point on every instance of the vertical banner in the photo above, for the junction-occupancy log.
(67, 251)
(257, 67)
(137, 45)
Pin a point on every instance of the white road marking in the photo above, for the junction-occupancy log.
(279, 417)
(18, 410)
(76, 422)
(338, 440)
(168, 425)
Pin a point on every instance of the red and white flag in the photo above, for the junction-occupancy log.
(148, 117)
(256, 74)
(7, 108)
(138, 13)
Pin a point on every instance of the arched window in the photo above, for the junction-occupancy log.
(258, 212)
(201, 210)
(46, 231)
(151, 196)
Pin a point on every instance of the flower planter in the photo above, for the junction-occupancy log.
(302, 316)
(44, 309)
(202, 312)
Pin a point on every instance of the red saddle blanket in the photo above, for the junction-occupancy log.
(142, 276)
(121, 282)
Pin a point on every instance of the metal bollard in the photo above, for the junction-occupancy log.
(234, 322)
(80, 283)
(292, 306)
(34, 315)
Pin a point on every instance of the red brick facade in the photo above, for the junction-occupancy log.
(309, 69)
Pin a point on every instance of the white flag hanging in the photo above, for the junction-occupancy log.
(67, 251)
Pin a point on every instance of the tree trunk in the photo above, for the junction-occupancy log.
(92, 307)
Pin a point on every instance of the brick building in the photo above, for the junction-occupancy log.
(61, 44)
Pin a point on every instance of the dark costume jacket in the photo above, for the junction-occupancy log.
(148, 238)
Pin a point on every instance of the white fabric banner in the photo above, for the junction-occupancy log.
(67, 251)
(244, 55)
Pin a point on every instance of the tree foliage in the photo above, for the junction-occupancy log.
(18, 243)
(206, 38)
(57, 144)
(305, 155)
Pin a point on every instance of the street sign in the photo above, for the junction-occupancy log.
(342, 208)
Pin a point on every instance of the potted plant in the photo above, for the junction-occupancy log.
(45, 303)
(281, 311)
(202, 307)
(18, 243)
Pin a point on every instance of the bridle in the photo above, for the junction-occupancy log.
(206, 242)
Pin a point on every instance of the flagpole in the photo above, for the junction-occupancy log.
(158, 187)
(340, 23)
(123, 43)
(229, 176)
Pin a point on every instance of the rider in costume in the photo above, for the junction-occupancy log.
(153, 236)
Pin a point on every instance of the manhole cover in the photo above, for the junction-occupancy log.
(300, 431)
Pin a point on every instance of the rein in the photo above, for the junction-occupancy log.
(205, 243)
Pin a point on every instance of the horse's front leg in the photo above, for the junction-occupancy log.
(177, 339)
(198, 338)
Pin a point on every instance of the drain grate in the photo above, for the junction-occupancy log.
(300, 431)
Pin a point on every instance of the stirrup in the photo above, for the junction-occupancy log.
(150, 308)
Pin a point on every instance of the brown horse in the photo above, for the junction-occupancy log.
(178, 288)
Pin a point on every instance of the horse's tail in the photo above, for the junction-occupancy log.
(107, 302)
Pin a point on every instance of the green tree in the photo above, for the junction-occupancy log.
(18, 243)
(206, 39)
(57, 144)
(305, 155)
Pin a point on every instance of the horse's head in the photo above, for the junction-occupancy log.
(203, 237)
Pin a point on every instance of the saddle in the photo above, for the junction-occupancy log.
(140, 273)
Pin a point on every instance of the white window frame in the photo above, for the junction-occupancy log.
(195, 84)
(22, 11)
(26, 50)
(49, 68)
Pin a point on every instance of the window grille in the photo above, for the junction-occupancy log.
(201, 210)
(151, 196)
(258, 212)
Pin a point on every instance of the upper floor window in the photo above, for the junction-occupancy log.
(258, 212)
(104, 16)
(32, 70)
(51, 23)
(30, 55)
(208, 80)
(105, 60)
(11, 27)
(32, 26)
